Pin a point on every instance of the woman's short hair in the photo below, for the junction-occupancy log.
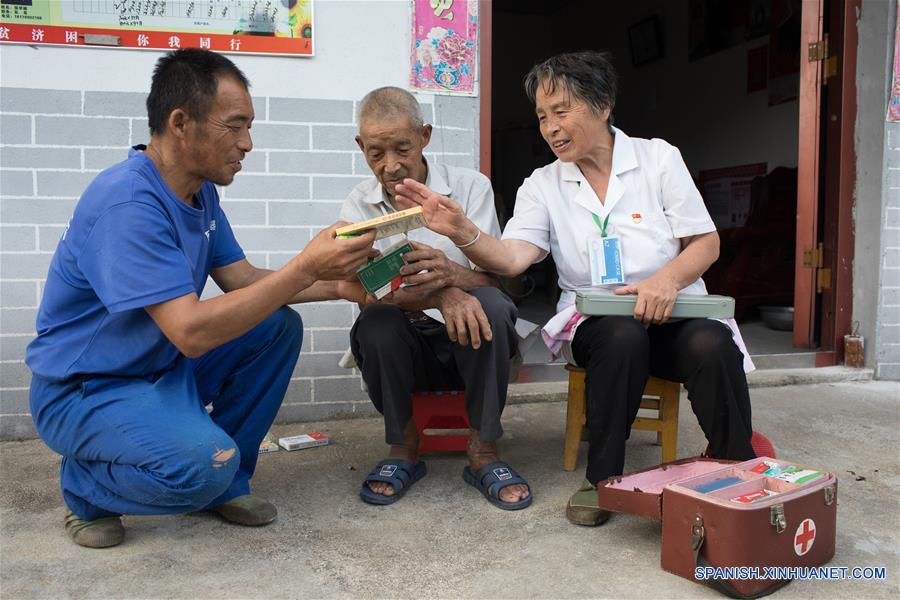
(187, 79)
(588, 76)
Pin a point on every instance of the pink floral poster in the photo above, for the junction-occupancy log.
(444, 46)
(893, 111)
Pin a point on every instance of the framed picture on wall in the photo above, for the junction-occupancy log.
(645, 39)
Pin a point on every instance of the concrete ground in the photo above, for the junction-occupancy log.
(443, 540)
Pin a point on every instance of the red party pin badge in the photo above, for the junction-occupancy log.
(636, 217)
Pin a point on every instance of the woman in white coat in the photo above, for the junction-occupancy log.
(614, 209)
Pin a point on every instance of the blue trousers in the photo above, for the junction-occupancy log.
(148, 446)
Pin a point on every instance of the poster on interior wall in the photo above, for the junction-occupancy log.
(893, 111)
(716, 25)
(784, 52)
(444, 46)
(757, 69)
(727, 193)
(279, 27)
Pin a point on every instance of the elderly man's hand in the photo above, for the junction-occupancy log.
(352, 291)
(405, 298)
(442, 215)
(329, 258)
(464, 317)
(428, 268)
(656, 297)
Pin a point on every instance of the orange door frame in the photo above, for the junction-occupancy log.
(486, 35)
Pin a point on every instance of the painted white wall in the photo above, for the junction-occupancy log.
(360, 45)
(873, 64)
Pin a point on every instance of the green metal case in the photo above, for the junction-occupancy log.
(600, 301)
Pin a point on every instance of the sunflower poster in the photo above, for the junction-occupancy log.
(283, 27)
(444, 46)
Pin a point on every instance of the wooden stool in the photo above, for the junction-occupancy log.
(443, 411)
(664, 399)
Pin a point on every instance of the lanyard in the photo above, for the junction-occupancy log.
(602, 225)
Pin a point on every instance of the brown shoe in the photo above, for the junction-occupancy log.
(583, 508)
(247, 510)
(99, 533)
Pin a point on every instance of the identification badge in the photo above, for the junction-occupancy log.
(606, 260)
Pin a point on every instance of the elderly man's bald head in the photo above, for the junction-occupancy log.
(389, 104)
(392, 137)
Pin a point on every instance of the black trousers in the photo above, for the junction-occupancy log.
(618, 354)
(398, 356)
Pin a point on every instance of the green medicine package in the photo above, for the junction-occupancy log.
(381, 276)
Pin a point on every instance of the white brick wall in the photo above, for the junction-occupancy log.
(887, 337)
(54, 142)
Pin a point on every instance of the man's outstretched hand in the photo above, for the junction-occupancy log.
(326, 257)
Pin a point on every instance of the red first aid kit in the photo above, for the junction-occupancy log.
(733, 525)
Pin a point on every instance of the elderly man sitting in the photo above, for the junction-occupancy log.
(450, 327)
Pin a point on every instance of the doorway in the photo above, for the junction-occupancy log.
(716, 78)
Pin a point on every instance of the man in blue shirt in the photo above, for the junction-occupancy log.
(127, 356)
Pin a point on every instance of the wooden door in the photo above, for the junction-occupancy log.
(826, 177)
(839, 165)
(808, 161)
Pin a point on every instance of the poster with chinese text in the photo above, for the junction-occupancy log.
(727, 193)
(444, 46)
(282, 27)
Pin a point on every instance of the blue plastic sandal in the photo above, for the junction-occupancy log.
(399, 473)
(492, 478)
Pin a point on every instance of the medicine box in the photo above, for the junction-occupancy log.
(381, 275)
(385, 226)
(305, 440)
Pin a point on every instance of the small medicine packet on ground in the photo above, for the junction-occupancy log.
(305, 440)
(268, 445)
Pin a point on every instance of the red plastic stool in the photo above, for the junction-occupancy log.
(761, 445)
(444, 411)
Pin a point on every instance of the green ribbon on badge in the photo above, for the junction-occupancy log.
(602, 225)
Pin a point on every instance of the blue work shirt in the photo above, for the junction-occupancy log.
(130, 243)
